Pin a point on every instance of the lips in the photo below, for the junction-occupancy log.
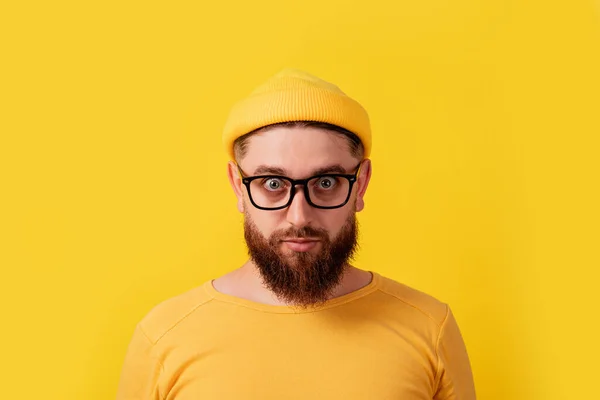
(300, 240)
(301, 245)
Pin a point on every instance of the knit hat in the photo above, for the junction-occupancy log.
(294, 95)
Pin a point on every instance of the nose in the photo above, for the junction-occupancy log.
(299, 213)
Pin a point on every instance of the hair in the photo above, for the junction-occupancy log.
(240, 145)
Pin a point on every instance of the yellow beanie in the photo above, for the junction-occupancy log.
(294, 95)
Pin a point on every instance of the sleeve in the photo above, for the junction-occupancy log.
(140, 371)
(455, 378)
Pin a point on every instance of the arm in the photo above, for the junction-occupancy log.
(141, 369)
(454, 375)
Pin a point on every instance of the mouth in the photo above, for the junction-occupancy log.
(301, 245)
(300, 240)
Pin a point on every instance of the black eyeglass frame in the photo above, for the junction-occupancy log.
(352, 178)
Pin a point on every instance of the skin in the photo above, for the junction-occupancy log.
(299, 151)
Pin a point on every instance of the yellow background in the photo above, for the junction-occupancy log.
(485, 189)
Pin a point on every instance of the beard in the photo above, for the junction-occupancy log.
(302, 279)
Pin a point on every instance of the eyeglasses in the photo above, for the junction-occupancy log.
(274, 192)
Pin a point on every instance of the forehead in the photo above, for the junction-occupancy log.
(297, 150)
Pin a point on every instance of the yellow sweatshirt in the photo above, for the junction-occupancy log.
(383, 341)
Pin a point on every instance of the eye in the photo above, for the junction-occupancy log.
(326, 183)
(273, 184)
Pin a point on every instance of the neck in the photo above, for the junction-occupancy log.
(352, 279)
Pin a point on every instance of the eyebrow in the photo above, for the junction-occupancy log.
(330, 169)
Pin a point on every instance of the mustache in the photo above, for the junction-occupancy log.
(299, 233)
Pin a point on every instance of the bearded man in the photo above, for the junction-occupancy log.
(297, 320)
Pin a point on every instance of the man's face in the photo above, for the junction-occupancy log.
(300, 251)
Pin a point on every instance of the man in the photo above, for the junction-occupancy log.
(297, 321)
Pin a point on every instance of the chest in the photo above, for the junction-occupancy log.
(324, 365)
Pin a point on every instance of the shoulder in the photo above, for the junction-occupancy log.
(407, 296)
(166, 315)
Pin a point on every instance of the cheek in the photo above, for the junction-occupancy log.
(265, 221)
(334, 220)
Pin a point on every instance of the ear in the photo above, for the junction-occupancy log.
(362, 182)
(236, 184)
